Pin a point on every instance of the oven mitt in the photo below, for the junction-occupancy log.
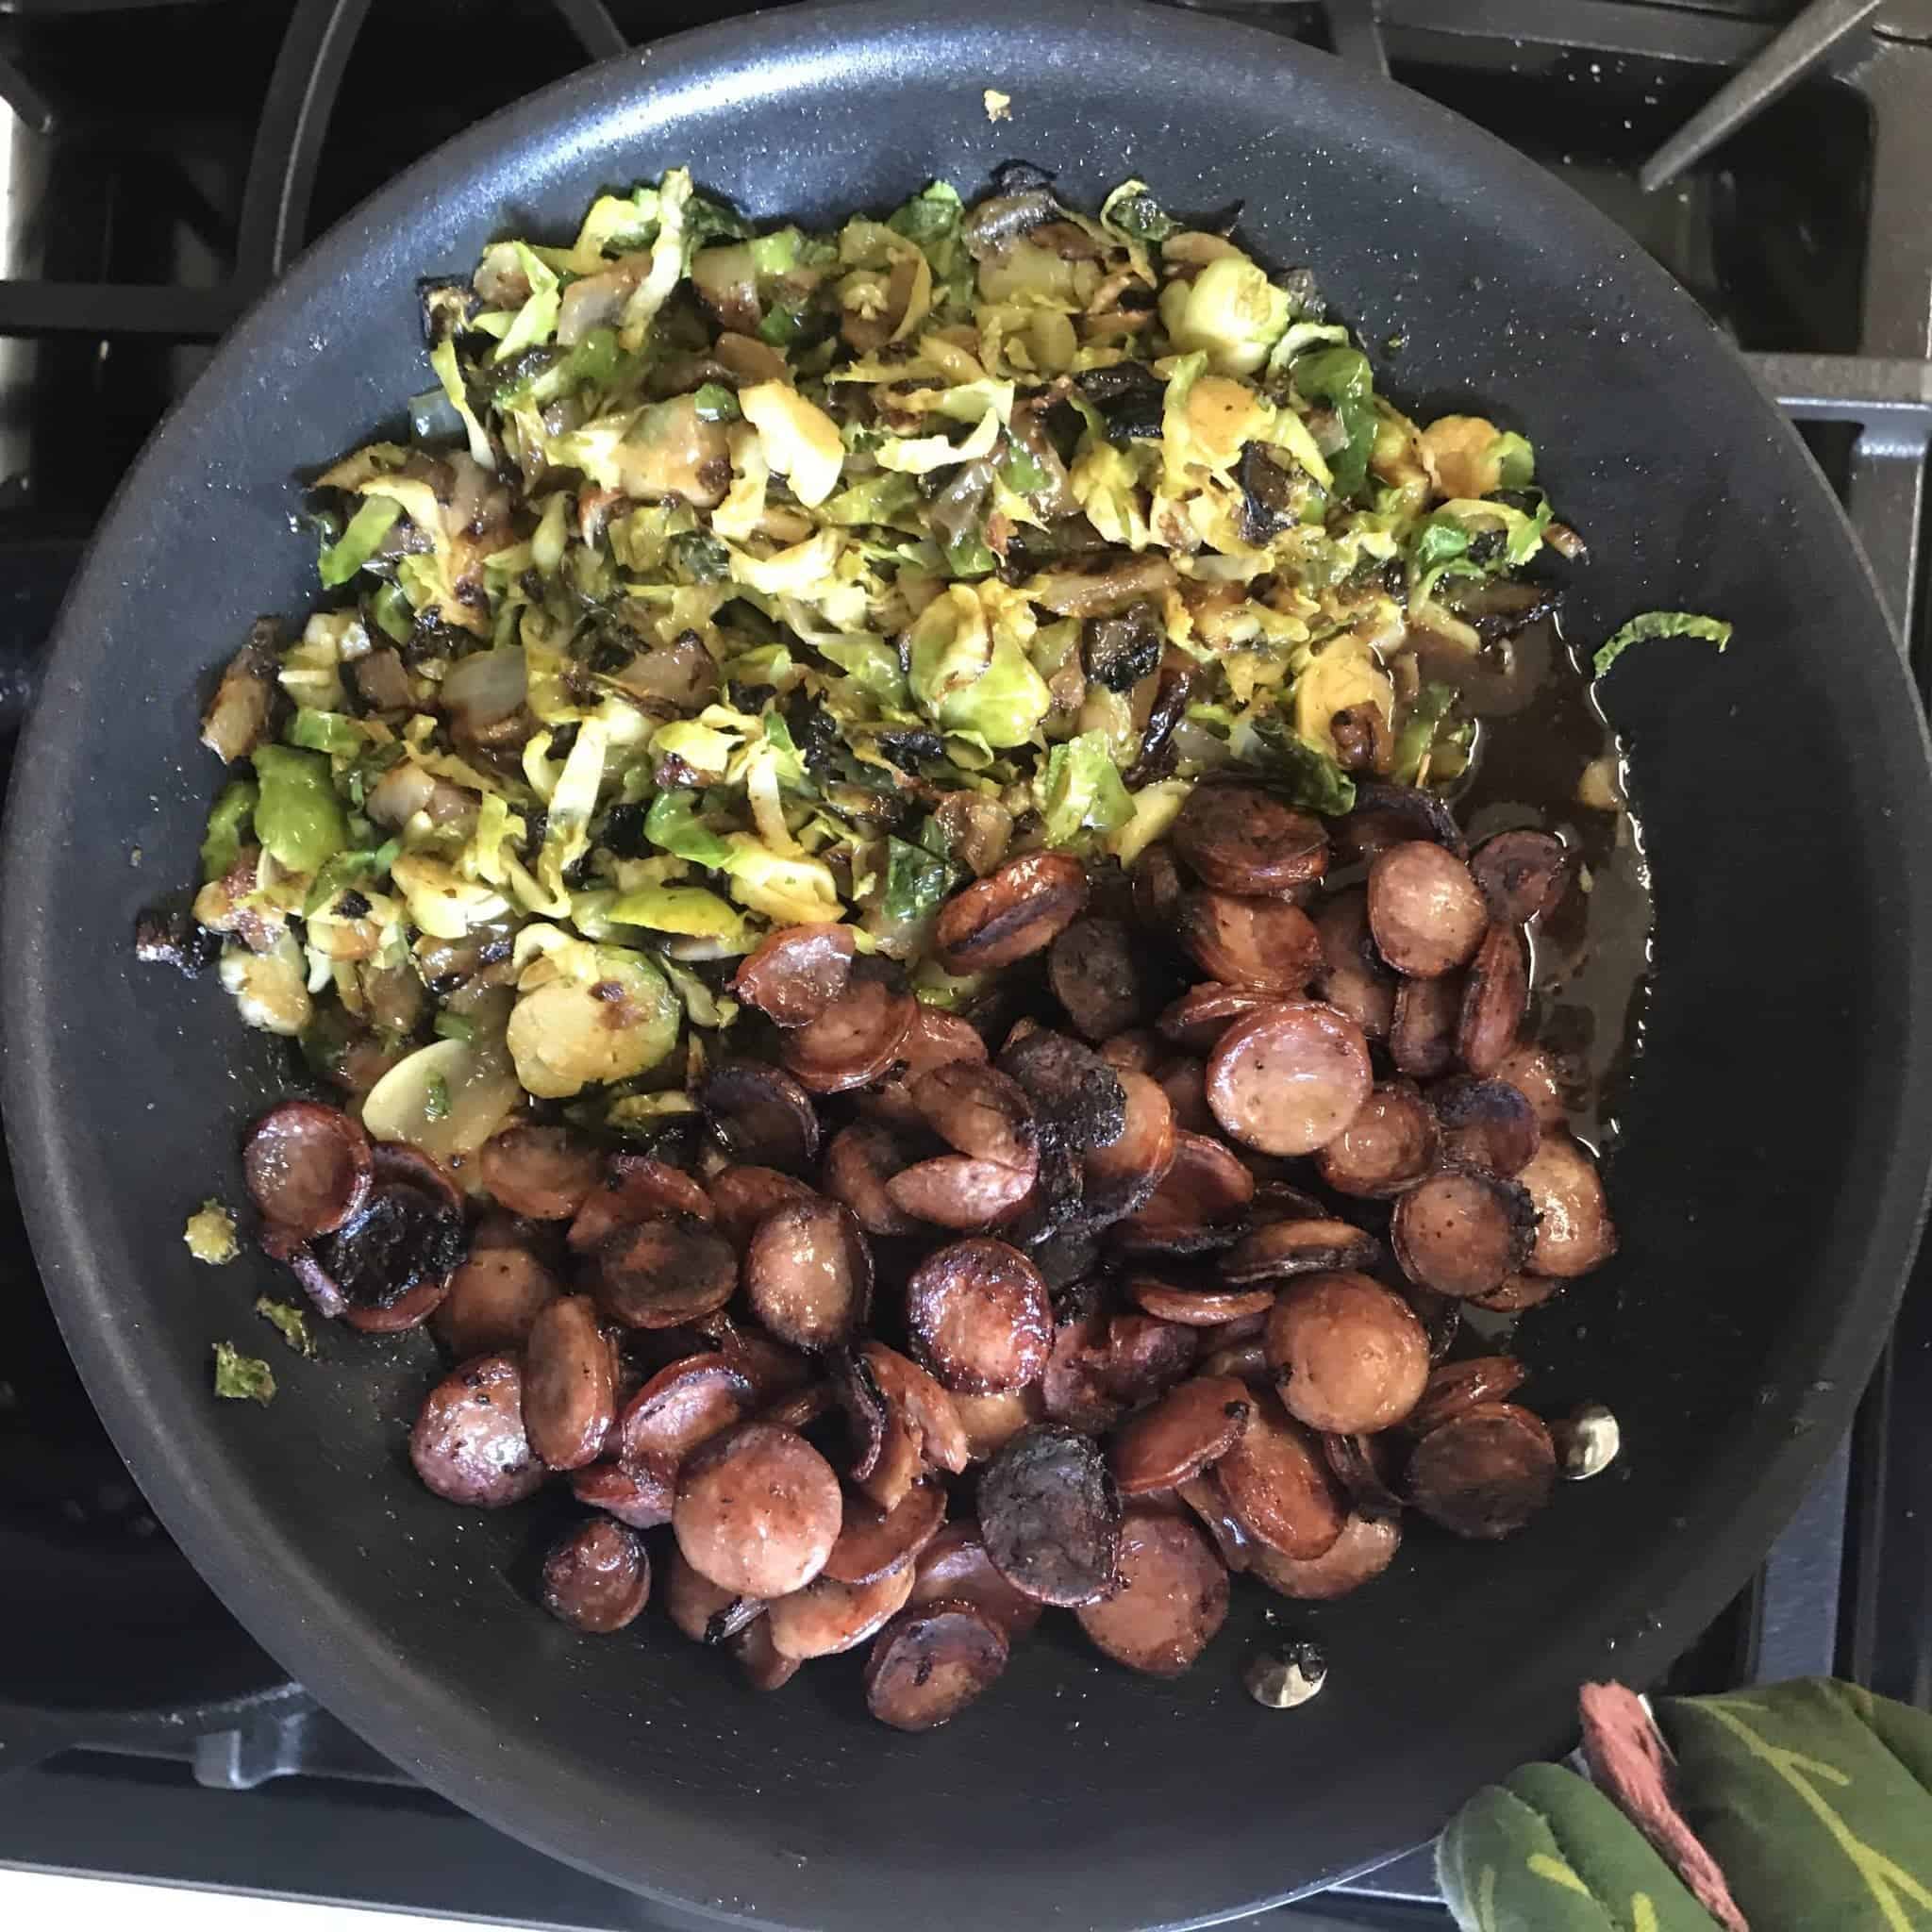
(1800, 1807)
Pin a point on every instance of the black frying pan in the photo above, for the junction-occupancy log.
(1777, 1133)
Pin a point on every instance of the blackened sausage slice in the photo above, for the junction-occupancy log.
(1075, 1094)
(980, 1317)
(1390, 1145)
(857, 1039)
(1365, 1548)
(1390, 815)
(1276, 1483)
(1288, 1078)
(1523, 875)
(1575, 1232)
(570, 1384)
(1459, 1234)
(1351, 977)
(541, 1172)
(1349, 1355)
(1196, 1422)
(1051, 1516)
(492, 1299)
(1486, 1473)
(1426, 914)
(660, 1273)
(1121, 1177)
(872, 1546)
(761, 1115)
(795, 973)
(1280, 1250)
(1495, 996)
(598, 1577)
(758, 1510)
(1422, 1034)
(469, 1444)
(1485, 1124)
(310, 1168)
(1101, 976)
(1240, 838)
(1017, 909)
(1263, 944)
(807, 1273)
(931, 1663)
(1169, 1599)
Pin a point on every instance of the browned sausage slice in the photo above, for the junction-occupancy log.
(828, 1616)
(740, 1197)
(935, 1039)
(954, 1565)
(1276, 1483)
(1575, 1232)
(1099, 972)
(663, 1273)
(872, 1546)
(634, 1187)
(1350, 1356)
(1196, 1207)
(704, 1612)
(1426, 914)
(977, 1110)
(1201, 1494)
(1077, 1096)
(761, 1115)
(1240, 838)
(992, 1421)
(1351, 978)
(1156, 890)
(469, 1444)
(921, 1427)
(1288, 1078)
(410, 1309)
(1144, 1357)
(859, 1160)
(632, 1499)
(1523, 875)
(683, 1405)
(979, 1317)
(1456, 1388)
(795, 973)
(1390, 815)
(1204, 1012)
(1201, 1307)
(807, 1273)
(1421, 1034)
(1459, 1234)
(1122, 1176)
(1196, 1422)
(1184, 1080)
(598, 1577)
(855, 1039)
(492, 1299)
(1051, 1516)
(926, 1667)
(763, 1668)
(1483, 1474)
(1263, 944)
(952, 1190)
(1544, 1078)
(1365, 1548)
(758, 1510)
(1017, 909)
(570, 1384)
(543, 1173)
(1485, 1124)
(310, 1168)
(1280, 1250)
(1363, 1465)
(1517, 1292)
(1169, 1599)
(1390, 1145)
(1133, 1051)
(1495, 996)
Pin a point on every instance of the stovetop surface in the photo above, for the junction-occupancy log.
(135, 222)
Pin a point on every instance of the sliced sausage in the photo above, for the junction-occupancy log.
(763, 1668)
(700, 1609)
(634, 1187)
(1121, 1177)
(1456, 1388)
(1196, 1422)
(663, 1273)
(859, 1160)
(543, 1173)
(1168, 1601)
(931, 1663)
(469, 1444)
(1288, 1078)
(761, 1115)
(740, 1197)
(1348, 1355)
(391, 1265)
(1101, 975)
(1075, 1094)
(635, 1500)
(1202, 1014)
(922, 1426)
(683, 1405)
(1390, 815)
(857, 1039)
(1495, 996)
(1197, 1307)
(1280, 1250)
(1051, 1516)
(935, 1039)
(758, 1510)
(1426, 914)
(1263, 944)
(1197, 1205)
(1523, 875)
(1158, 884)
(1421, 1034)
(1483, 1474)
(795, 973)
(952, 1190)
(570, 1384)
(1459, 1234)
(1390, 1145)
(807, 1273)
(1574, 1232)
(1135, 1050)
(1201, 1494)
(1485, 1124)
(1276, 1483)
(977, 1110)
(871, 1546)
(1184, 1080)
(954, 1565)
(598, 1577)
(1544, 1078)
(828, 1617)
(1017, 909)
(1240, 838)
(410, 1309)
(1517, 1292)
(1239, 1355)
(1351, 978)
(1365, 1548)
(992, 1421)
(492, 1299)
(308, 1168)
(1364, 1465)
(980, 1317)
(1144, 1356)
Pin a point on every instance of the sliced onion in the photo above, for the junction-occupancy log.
(446, 1099)
(485, 688)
